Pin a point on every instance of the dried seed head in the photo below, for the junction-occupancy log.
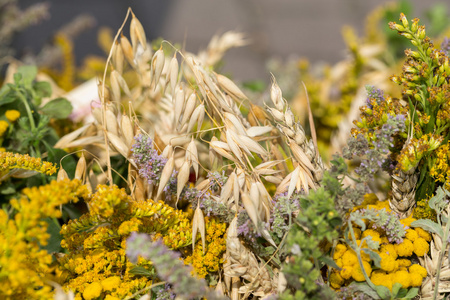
(127, 49)
(189, 109)
(137, 33)
(62, 174)
(289, 117)
(115, 87)
(165, 175)
(127, 130)
(119, 145)
(198, 224)
(192, 156)
(117, 57)
(230, 87)
(111, 122)
(172, 73)
(179, 103)
(182, 178)
(276, 95)
(157, 66)
(277, 115)
(80, 170)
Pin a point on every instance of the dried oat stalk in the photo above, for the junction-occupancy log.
(403, 192)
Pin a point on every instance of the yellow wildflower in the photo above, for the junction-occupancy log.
(423, 234)
(403, 278)
(381, 278)
(389, 249)
(111, 283)
(411, 235)
(357, 273)
(405, 248)
(419, 270)
(346, 272)
(339, 251)
(404, 262)
(336, 280)
(109, 297)
(9, 160)
(3, 126)
(416, 279)
(370, 232)
(339, 262)
(407, 221)
(92, 291)
(349, 258)
(12, 115)
(388, 263)
(421, 247)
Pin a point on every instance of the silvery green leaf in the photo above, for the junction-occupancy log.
(429, 225)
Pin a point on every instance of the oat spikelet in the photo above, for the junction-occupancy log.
(403, 192)
(244, 264)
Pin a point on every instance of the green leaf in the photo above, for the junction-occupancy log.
(28, 75)
(43, 89)
(6, 95)
(141, 271)
(395, 289)
(429, 225)
(329, 261)
(412, 293)
(54, 242)
(437, 198)
(383, 292)
(373, 256)
(67, 161)
(365, 288)
(59, 108)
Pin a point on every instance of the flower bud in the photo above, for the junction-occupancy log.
(417, 97)
(407, 35)
(404, 20)
(414, 25)
(421, 33)
(415, 43)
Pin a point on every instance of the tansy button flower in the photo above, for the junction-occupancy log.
(349, 258)
(92, 291)
(411, 235)
(405, 248)
(421, 247)
(3, 126)
(336, 280)
(375, 235)
(357, 273)
(403, 278)
(416, 279)
(388, 263)
(423, 234)
(110, 283)
(419, 270)
(346, 272)
(389, 249)
(339, 251)
(12, 115)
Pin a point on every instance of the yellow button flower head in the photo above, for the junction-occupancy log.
(381, 278)
(404, 262)
(12, 115)
(339, 251)
(421, 247)
(346, 272)
(411, 235)
(388, 263)
(357, 273)
(403, 278)
(111, 283)
(92, 291)
(423, 234)
(349, 258)
(419, 270)
(416, 279)
(336, 280)
(405, 248)
(407, 221)
(3, 126)
(370, 232)
(389, 249)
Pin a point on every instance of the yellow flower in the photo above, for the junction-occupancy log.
(109, 297)
(418, 269)
(404, 262)
(357, 273)
(405, 248)
(423, 234)
(3, 126)
(411, 235)
(339, 262)
(381, 278)
(370, 232)
(92, 291)
(349, 258)
(12, 115)
(403, 278)
(346, 272)
(388, 263)
(339, 251)
(416, 279)
(407, 221)
(336, 280)
(111, 283)
(389, 249)
(421, 247)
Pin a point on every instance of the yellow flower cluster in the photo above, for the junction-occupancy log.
(12, 115)
(25, 267)
(395, 265)
(211, 260)
(3, 127)
(96, 243)
(9, 160)
(441, 170)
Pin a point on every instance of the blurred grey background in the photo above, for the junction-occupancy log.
(276, 28)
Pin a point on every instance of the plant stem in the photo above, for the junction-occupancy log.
(27, 107)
